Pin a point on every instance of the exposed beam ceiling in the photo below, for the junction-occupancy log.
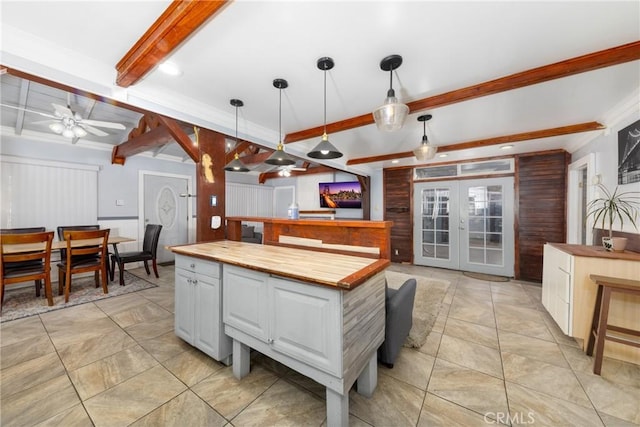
(172, 28)
(525, 136)
(592, 61)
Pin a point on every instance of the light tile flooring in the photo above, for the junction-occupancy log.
(494, 357)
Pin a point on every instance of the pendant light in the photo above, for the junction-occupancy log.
(392, 114)
(425, 151)
(279, 157)
(236, 164)
(325, 149)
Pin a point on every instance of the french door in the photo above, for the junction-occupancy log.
(465, 225)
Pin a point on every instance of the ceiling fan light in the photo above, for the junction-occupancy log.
(280, 157)
(79, 132)
(68, 133)
(57, 127)
(325, 150)
(236, 165)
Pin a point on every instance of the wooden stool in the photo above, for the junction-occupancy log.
(599, 325)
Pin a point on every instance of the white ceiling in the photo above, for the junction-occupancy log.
(445, 46)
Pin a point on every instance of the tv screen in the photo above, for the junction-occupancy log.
(343, 195)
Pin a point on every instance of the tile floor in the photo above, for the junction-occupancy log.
(494, 357)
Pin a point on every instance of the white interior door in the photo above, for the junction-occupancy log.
(163, 205)
(465, 225)
(435, 222)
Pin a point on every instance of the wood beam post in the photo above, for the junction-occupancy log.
(210, 176)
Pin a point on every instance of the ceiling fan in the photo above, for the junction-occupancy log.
(69, 124)
(286, 170)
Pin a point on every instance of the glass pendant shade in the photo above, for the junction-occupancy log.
(325, 150)
(68, 133)
(425, 151)
(279, 157)
(79, 132)
(391, 115)
(236, 165)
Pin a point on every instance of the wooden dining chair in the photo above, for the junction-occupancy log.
(62, 228)
(83, 258)
(32, 263)
(16, 267)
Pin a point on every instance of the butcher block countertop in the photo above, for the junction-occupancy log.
(321, 268)
(596, 252)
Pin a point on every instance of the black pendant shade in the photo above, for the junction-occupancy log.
(325, 149)
(279, 157)
(236, 164)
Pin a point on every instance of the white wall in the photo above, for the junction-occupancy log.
(605, 148)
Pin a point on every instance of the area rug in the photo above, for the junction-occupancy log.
(487, 277)
(22, 302)
(426, 307)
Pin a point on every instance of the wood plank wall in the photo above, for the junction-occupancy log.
(398, 200)
(540, 208)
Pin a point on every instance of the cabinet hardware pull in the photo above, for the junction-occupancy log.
(193, 266)
(195, 281)
(270, 340)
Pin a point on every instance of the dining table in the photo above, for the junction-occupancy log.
(62, 244)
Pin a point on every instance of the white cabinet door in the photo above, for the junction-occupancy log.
(207, 315)
(184, 313)
(305, 323)
(245, 304)
(557, 286)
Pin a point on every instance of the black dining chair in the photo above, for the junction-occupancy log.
(148, 253)
(27, 265)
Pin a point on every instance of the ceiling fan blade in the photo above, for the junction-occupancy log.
(62, 111)
(41, 122)
(298, 169)
(30, 111)
(110, 125)
(91, 129)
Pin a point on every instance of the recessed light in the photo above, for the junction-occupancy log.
(395, 161)
(170, 68)
(506, 147)
(443, 155)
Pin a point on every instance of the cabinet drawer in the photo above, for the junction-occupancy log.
(207, 268)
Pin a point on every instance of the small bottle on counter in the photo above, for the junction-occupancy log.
(293, 212)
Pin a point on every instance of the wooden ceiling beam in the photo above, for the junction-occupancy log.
(318, 169)
(518, 137)
(580, 64)
(239, 148)
(167, 131)
(181, 19)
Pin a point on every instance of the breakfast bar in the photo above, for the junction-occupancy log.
(319, 313)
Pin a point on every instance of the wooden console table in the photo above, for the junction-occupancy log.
(356, 233)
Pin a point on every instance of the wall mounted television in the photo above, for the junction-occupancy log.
(340, 195)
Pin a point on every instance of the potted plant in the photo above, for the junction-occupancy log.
(611, 207)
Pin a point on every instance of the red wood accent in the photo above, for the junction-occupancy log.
(274, 175)
(361, 276)
(181, 138)
(375, 234)
(213, 144)
(540, 217)
(181, 19)
(398, 202)
(580, 64)
(517, 137)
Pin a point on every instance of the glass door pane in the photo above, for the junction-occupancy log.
(487, 239)
(435, 213)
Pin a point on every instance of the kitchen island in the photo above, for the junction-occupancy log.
(321, 314)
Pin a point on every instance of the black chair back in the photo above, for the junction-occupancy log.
(61, 229)
(151, 238)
